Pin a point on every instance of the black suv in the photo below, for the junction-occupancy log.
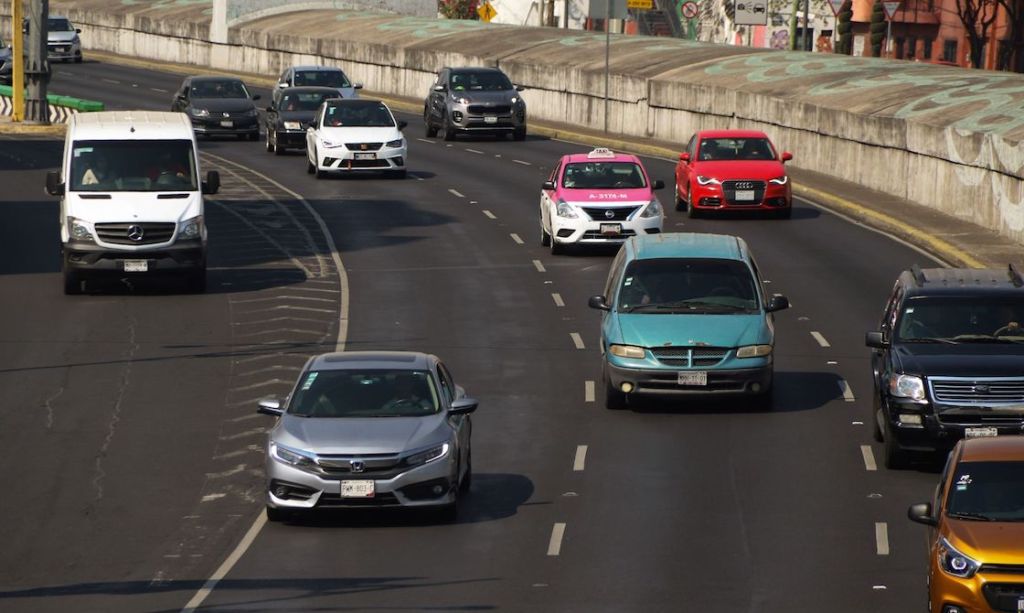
(948, 360)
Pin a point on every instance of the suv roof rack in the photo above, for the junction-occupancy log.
(1015, 276)
(918, 274)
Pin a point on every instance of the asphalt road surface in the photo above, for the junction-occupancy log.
(134, 462)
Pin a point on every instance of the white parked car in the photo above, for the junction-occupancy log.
(319, 76)
(355, 135)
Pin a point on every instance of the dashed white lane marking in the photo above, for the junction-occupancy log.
(821, 339)
(522, 162)
(539, 266)
(455, 193)
(869, 457)
(882, 538)
(157, 89)
(516, 238)
(489, 214)
(474, 151)
(226, 566)
(588, 391)
(211, 497)
(558, 299)
(577, 340)
(112, 81)
(847, 392)
(423, 140)
(580, 461)
(555, 544)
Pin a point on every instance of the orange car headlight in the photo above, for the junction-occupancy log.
(955, 563)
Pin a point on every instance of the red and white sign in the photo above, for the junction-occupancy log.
(690, 10)
(890, 9)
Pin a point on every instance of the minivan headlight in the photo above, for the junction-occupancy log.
(708, 180)
(564, 209)
(653, 209)
(191, 228)
(627, 351)
(292, 456)
(78, 230)
(428, 455)
(906, 386)
(955, 563)
(754, 351)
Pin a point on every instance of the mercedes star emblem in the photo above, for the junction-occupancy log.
(135, 233)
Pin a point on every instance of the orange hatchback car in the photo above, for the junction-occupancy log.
(977, 528)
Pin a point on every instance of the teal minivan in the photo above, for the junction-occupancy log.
(685, 314)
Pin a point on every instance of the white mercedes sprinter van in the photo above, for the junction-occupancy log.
(131, 198)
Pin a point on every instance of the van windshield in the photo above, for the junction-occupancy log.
(686, 285)
(133, 166)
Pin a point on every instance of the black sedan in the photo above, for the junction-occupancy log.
(218, 105)
(290, 113)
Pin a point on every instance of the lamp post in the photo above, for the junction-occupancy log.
(607, 56)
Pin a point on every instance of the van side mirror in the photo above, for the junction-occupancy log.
(402, 124)
(78, 30)
(684, 157)
(519, 88)
(658, 184)
(463, 406)
(270, 406)
(786, 156)
(54, 186)
(212, 183)
(548, 185)
(357, 86)
(922, 514)
(599, 302)
(777, 303)
(283, 84)
(875, 340)
(256, 96)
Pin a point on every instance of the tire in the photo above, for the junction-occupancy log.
(877, 416)
(449, 513)
(692, 212)
(467, 479)
(614, 400)
(310, 166)
(72, 283)
(78, 59)
(449, 130)
(894, 458)
(680, 203)
(519, 134)
(271, 148)
(545, 238)
(196, 281)
(278, 515)
(557, 248)
(429, 130)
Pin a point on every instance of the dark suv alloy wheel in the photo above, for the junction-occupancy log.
(893, 457)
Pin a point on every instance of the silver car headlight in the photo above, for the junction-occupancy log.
(652, 210)
(395, 143)
(906, 386)
(78, 230)
(955, 563)
(754, 351)
(293, 125)
(428, 455)
(564, 209)
(191, 228)
(292, 456)
(199, 112)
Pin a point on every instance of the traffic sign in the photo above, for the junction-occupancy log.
(640, 5)
(751, 13)
(836, 5)
(690, 10)
(890, 9)
(486, 12)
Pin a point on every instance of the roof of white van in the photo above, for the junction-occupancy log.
(130, 125)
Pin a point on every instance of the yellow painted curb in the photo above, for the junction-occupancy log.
(32, 129)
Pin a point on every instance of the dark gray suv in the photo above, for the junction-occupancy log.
(474, 100)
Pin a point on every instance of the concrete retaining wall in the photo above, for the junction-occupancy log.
(941, 136)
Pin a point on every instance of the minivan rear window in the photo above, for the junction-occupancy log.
(133, 166)
(687, 285)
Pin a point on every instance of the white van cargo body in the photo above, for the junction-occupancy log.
(131, 198)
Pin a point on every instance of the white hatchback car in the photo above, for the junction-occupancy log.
(355, 135)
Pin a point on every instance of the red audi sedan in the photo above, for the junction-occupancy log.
(733, 170)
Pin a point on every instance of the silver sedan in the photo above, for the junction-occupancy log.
(369, 429)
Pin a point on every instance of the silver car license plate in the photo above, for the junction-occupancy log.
(365, 156)
(747, 195)
(981, 432)
(136, 266)
(697, 378)
(362, 488)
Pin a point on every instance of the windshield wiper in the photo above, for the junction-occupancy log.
(948, 341)
(970, 515)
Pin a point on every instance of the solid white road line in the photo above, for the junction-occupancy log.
(869, 457)
(423, 140)
(577, 340)
(882, 538)
(588, 391)
(555, 544)
(539, 266)
(821, 339)
(522, 162)
(474, 151)
(558, 299)
(226, 566)
(489, 214)
(455, 193)
(847, 392)
(516, 238)
(580, 462)
(112, 81)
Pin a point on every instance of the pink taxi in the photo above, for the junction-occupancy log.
(599, 197)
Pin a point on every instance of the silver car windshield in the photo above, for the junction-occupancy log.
(365, 393)
(58, 25)
(133, 166)
(479, 81)
(321, 78)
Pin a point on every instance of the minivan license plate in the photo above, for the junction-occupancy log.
(357, 489)
(746, 195)
(136, 265)
(699, 377)
(980, 432)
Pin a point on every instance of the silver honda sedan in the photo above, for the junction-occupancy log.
(369, 429)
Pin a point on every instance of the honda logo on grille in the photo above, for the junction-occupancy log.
(135, 233)
(744, 185)
(357, 466)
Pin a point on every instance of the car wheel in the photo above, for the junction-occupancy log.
(467, 479)
(680, 203)
(310, 166)
(270, 146)
(557, 248)
(519, 134)
(429, 129)
(692, 212)
(545, 238)
(196, 281)
(894, 457)
(449, 130)
(878, 416)
(78, 59)
(614, 399)
(72, 283)
(277, 515)
(278, 149)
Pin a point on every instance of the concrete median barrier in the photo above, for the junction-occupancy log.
(61, 107)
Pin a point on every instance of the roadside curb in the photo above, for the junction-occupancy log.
(12, 128)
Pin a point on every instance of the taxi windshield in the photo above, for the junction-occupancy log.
(603, 175)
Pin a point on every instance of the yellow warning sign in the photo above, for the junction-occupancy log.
(486, 12)
(643, 5)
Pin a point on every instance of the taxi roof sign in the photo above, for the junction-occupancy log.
(601, 152)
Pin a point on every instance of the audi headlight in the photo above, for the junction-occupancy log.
(906, 386)
(428, 455)
(293, 125)
(199, 112)
(955, 563)
(564, 209)
(708, 180)
(191, 228)
(779, 180)
(653, 209)
(754, 351)
(78, 230)
(395, 143)
(627, 351)
(292, 456)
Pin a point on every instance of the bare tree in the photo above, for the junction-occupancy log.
(1014, 49)
(977, 17)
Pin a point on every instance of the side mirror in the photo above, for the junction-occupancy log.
(439, 88)
(212, 183)
(922, 514)
(777, 303)
(875, 340)
(684, 157)
(283, 84)
(549, 185)
(270, 406)
(54, 186)
(786, 156)
(519, 88)
(463, 406)
(357, 86)
(256, 96)
(658, 184)
(78, 30)
(599, 303)
(402, 124)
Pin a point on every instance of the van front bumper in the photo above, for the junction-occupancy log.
(665, 382)
(182, 256)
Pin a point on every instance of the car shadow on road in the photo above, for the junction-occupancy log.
(799, 213)
(793, 391)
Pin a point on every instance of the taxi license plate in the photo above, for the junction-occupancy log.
(980, 432)
(362, 488)
(136, 265)
(611, 229)
(698, 378)
(227, 124)
(365, 156)
(745, 195)
(490, 119)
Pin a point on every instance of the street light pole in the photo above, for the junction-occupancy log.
(607, 56)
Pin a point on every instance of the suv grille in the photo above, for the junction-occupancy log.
(480, 109)
(1004, 597)
(119, 233)
(363, 146)
(977, 392)
(688, 357)
(375, 466)
(618, 213)
(730, 188)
